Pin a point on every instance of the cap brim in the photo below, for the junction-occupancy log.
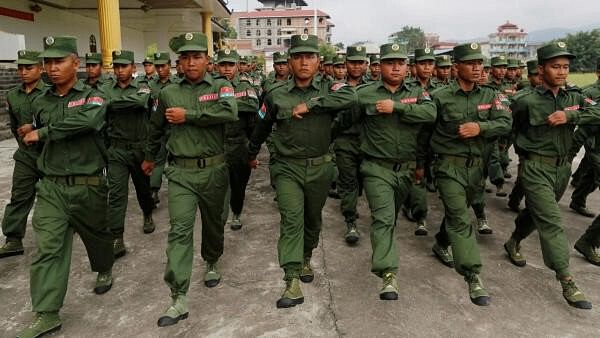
(227, 59)
(303, 50)
(472, 57)
(27, 62)
(499, 64)
(444, 64)
(426, 57)
(284, 61)
(393, 56)
(92, 62)
(356, 58)
(161, 62)
(54, 53)
(122, 62)
(191, 48)
(557, 54)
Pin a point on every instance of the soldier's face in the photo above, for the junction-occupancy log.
(281, 69)
(499, 72)
(304, 65)
(164, 71)
(511, 73)
(210, 67)
(393, 71)
(339, 72)
(62, 70)
(469, 71)
(424, 69)
(355, 69)
(93, 70)
(243, 67)
(443, 73)
(535, 80)
(375, 69)
(329, 70)
(193, 64)
(554, 72)
(30, 73)
(227, 69)
(148, 68)
(484, 77)
(123, 72)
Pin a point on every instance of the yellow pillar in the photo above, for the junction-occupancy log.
(110, 29)
(207, 30)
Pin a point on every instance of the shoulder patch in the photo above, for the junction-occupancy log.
(337, 86)
(226, 91)
(590, 101)
(262, 112)
(95, 100)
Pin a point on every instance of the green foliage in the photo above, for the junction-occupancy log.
(339, 46)
(230, 32)
(586, 46)
(582, 79)
(151, 49)
(327, 50)
(412, 37)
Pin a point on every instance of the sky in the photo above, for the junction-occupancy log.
(374, 20)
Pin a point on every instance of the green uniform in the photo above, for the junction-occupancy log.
(302, 169)
(148, 81)
(25, 174)
(73, 193)
(197, 174)
(459, 169)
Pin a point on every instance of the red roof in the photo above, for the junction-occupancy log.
(508, 25)
(280, 14)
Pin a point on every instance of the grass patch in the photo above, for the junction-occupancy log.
(582, 79)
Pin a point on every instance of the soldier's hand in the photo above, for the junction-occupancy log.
(419, 174)
(299, 110)
(24, 129)
(557, 118)
(31, 137)
(147, 167)
(468, 130)
(253, 164)
(175, 115)
(385, 106)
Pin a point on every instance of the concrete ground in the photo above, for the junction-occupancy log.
(343, 299)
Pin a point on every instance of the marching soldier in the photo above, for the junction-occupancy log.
(374, 67)
(339, 68)
(93, 70)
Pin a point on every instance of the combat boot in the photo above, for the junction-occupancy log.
(307, 274)
(389, 291)
(582, 210)
(351, 236)
(421, 229)
(513, 249)
(212, 277)
(12, 248)
(236, 222)
(574, 296)
(588, 251)
(176, 312)
(514, 205)
(500, 192)
(483, 227)
(43, 323)
(477, 293)
(407, 212)
(119, 247)
(292, 295)
(104, 282)
(149, 225)
(443, 255)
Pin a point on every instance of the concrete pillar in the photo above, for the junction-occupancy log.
(207, 30)
(109, 18)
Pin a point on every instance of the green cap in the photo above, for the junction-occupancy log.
(28, 57)
(356, 53)
(242, 59)
(443, 61)
(392, 51)
(339, 59)
(411, 60)
(553, 50)
(93, 58)
(422, 54)
(280, 57)
(328, 60)
(122, 57)
(487, 63)
(59, 46)
(162, 58)
(148, 59)
(189, 42)
(500, 60)
(227, 55)
(522, 64)
(532, 67)
(468, 52)
(374, 59)
(304, 43)
(513, 63)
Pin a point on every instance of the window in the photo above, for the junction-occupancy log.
(258, 32)
(269, 42)
(268, 32)
(268, 22)
(258, 42)
(248, 32)
(248, 23)
(278, 41)
(320, 20)
(278, 22)
(279, 32)
(289, 21)
(257, 22)
(305, 30)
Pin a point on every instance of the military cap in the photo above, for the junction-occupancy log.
(374, 59)
(411, 60)
(468, 52)
(59, 46)
(500, 60)
(304, 43)
(227, 55)
(522, 64)
(443, 61)
(552, 50)
(280, 57)
(189, 42)
(513, 63)
(242, 59)
(356, 53)
(422, 54)
(28, 57)
(532, 67)
(339, 59)
(392, 51)
(148, 59)
(123, 57)
(328, 60)
(162, 58)
(487, 63)
(93, 58)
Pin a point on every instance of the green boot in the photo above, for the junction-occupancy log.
(513, 249)
(176, 312)
(236, 222)
(389, 291)
(148, 223)
(119, 247)
(307, 275)
(483, 227)
(443, 255)
(12, 248)
(292, 295)
(212, 277)
(574, 296)
(479, 296)
(103, 282)
(588, 251)
(44, 323)
(421, 229)
(351, 236)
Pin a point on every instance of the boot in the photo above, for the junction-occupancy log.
(43, 323)
(119, 247)
(236, 222)
(149, 225)
(513, 249)
(212, 277)
(389, 291)
(176, 312)
(103, 282)
(12, 247)
(477, 293)
(307, 274)
(574, 296)
(351, 236)
(292, 295)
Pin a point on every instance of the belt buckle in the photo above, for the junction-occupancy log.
(309, 162)
(469, 162)
(201, 163)
(70, 180)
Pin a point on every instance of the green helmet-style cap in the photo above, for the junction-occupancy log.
(339, 59)
(392, 51)
(93, 58)
(532, 67)
(553, 50)
(468, 52)
(304, 43)
(487, 63)
(280, 57)
(443, 61)
(59, 46)
(356, 53)
(512, 63)
(189, 42)
(422, 54)
(227, 55)
(242, 59)
(500, 60)
(328, 60)
(374, 59)
(162, 58)
(122, 57)
(28, 57)
(148, 59)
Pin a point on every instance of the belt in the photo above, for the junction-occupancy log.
(306, 162)
(462, 161)
(187, 162)
(126, 144)
(551, 160)
(76, 180)
(393, 165)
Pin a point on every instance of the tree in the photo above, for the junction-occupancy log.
(339, 46)
(586, 46)
(412, 37)
(327, 50)
(230, 32)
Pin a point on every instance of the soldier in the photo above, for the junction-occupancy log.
(443, 64)
(391, 112)
(281, 70)
(512, 72)
(178, 69)
(498, 73)
(545, 119)
(150, 75)
(93, 69)
(374, 67)
(127, 115)
(328, 66)
(468, 114)
(243, 65)
(412, 68)
(339, 68)
(195, 111)
(71, 197)
(303, 108)
(25, 173)
(485, 73)
(237, 134)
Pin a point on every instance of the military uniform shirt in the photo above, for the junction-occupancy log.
(20, 111)
(128, 111)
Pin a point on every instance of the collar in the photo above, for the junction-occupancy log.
(79, 86)
(39, 86)
(456, 88)
(291, 83)
(207, 78)
(404, 85)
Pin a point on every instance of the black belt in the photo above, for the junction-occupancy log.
(186, 162)
(76, 180)
(393, 165)
(462, 161)
(551, 160)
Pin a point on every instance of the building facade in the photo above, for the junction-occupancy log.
(509, 40)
